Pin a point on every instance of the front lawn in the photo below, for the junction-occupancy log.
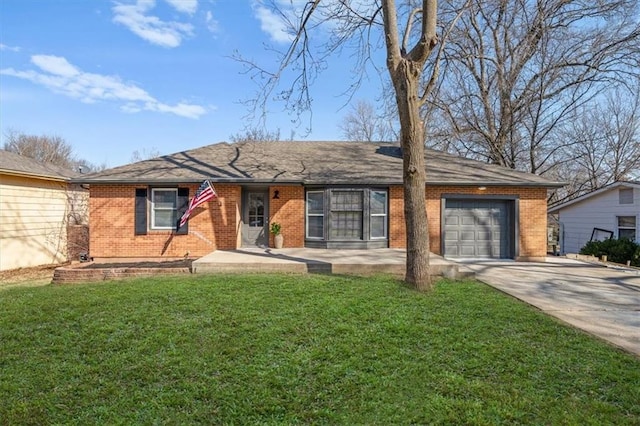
(274, 349)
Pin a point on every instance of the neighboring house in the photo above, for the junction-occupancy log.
(324, 194)
(37, 203)
(611, 211)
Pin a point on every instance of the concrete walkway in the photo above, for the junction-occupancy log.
(602, 301)
(303, 260)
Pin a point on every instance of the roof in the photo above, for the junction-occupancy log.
(625, 184)
(16, 164)
(308, 163)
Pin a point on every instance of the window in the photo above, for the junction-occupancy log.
(625, 195)
(627, 227)
(256, 209)
(346, 215)
(378, 211)
(315, 214)
(164, 208)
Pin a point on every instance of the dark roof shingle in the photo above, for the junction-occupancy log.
(308, 163)
(19, 164)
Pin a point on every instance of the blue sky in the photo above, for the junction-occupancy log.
(112, 77)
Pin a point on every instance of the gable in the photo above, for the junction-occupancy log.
(608, 196)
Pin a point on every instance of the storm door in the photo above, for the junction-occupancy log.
(255, 219)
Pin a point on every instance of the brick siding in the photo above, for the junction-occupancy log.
(288, 210)
(532, 222)
(213, 225)
(216, 224)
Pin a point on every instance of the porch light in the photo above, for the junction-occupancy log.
(276, 195)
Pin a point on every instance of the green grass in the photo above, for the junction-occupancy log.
(278, 349)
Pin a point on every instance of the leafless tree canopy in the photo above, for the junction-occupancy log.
(48, 149)
(145, 154)
(256, 134)
(606, 145)
(44, 149)
(520, 73)
(365, 124)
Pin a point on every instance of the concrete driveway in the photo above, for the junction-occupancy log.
(602, 301)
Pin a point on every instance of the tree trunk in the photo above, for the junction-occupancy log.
(406, 81)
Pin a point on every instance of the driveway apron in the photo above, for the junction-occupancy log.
(603, 301)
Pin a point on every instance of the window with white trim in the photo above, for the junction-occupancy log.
(627, 227)
(164, 203)
(315, 214)
(378, 213)
(354, 217)
(346, 215)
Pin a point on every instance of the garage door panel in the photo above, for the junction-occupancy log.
(468, 236)
(477, 228)
(452, 220)
(485, 236)
(452, 235)
(467, 220)
(467, 251)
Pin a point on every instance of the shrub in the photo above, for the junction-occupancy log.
(617, 250)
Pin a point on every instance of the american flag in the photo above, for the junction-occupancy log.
(203, 194)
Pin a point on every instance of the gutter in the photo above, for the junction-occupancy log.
(36, 175)
(245, 181)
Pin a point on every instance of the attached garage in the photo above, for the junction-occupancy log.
(479, 228)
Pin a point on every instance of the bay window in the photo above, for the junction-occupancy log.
(347, 217)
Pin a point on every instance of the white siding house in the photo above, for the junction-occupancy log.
(611, 211)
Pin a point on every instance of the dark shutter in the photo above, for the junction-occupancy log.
(141, 212)
(183, 203)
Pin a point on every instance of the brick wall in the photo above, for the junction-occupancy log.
(288, 210)
(397, 229)
(216, 224)
(532, 221)
(213, 225)
(77, 241)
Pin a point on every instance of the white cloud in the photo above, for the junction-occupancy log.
(272, 24)
(60, 76)
(184, 6)
(212, 24)
(55, 65)
(10, 48)
(151, 28)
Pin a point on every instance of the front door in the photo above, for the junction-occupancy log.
(255, 231)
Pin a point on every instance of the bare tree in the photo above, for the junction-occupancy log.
(256, 134)
(145, 154)
(44, 149)
(366, 27)
(517, 70)
(48, 150)
(363, 123)
(606, 145)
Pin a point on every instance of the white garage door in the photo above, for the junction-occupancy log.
(477, 228)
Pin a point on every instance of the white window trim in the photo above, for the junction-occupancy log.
(634, 228)
(153, 207)
(306, 208)
(385, 214)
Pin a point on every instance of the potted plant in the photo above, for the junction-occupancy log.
(278, 239)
